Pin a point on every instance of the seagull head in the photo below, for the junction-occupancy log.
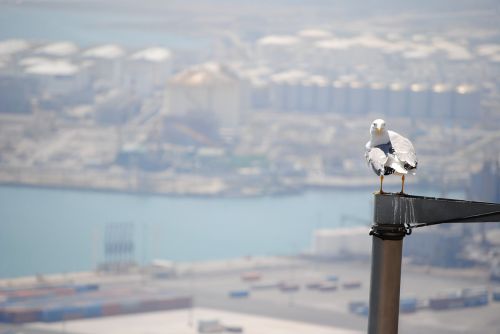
(378, 127)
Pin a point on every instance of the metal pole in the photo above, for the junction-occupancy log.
(394, 216)
(385, 286)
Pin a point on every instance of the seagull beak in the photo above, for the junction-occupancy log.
(378, 130)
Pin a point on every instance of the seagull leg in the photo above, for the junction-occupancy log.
(402, 185)
(381, 181)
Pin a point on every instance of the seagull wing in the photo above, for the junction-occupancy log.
(376, 158)
(403, 149)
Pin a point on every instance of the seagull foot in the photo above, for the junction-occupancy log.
(380, 192)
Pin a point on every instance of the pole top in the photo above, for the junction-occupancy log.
(398, 214)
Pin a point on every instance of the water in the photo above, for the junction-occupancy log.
(49, 230)
(90, 25)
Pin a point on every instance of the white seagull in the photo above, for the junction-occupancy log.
(388, 152)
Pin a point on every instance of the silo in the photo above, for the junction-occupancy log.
(108, 64)
(308, 95)
(339, 97)
(277, 94)
(358, 98)
(293, 94)
(208, 88)
(313, 94)
(398, 96)
(441, 102)
(323, 96)
(466, 102)
(418, 101)
(377, 98)
(149, 69)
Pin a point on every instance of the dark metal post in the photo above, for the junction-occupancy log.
(387, 252)
(385, 284)
(394, 217)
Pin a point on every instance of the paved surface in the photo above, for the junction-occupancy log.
(310, 307)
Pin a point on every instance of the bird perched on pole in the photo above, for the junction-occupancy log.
(388, 153)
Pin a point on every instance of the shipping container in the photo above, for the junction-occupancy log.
(289, 287)
(332, 278)
(233, 329)
(313, 285)
(19, 315)
(496, 295)
(408, 305)
(328, 286)
(475, 297)
(265, 286)
(358, 307)
(251, 276)
(239, 294)
(351, 285)
(447, 301)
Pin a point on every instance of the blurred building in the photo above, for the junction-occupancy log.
(378, 98)
(286, 90)
(342, 242)
(441, 102)
(210, 89)
(398, 100)
(278, 50)
(340, 97)
(149, 69)
(15, 94)
(55, 77)
(108, 61)
(358, 98)
(466, 102)
(418, 101)
(437, 246)
(484, 185)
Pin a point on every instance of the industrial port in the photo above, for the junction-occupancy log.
(215, 149)
(245, 295)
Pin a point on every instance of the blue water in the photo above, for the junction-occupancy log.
(50, 230)
(90, 26)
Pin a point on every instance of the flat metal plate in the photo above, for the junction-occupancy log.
(408, 209)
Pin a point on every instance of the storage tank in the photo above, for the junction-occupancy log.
(398, 100)
(378, 98)
(207, 88)
(441, 102)
(358, 98)
(466, 102)
(108, 61)
(149, 69)
(339, 97)
(418, 101)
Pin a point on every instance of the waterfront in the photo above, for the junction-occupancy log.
(49, 230)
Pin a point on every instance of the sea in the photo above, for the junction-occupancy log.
(45, 230)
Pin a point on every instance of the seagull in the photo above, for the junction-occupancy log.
(388, 152)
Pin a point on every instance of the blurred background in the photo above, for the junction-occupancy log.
(198, 166)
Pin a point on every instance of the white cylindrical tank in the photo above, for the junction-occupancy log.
(148, 70)
(398, 100)
(358, 98)
(441, 102)
(340, 95)
(378, 98)
(418, 101)
(208, 88)
(466, 102)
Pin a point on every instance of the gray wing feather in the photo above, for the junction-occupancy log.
(376, 158)
(403, 148)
